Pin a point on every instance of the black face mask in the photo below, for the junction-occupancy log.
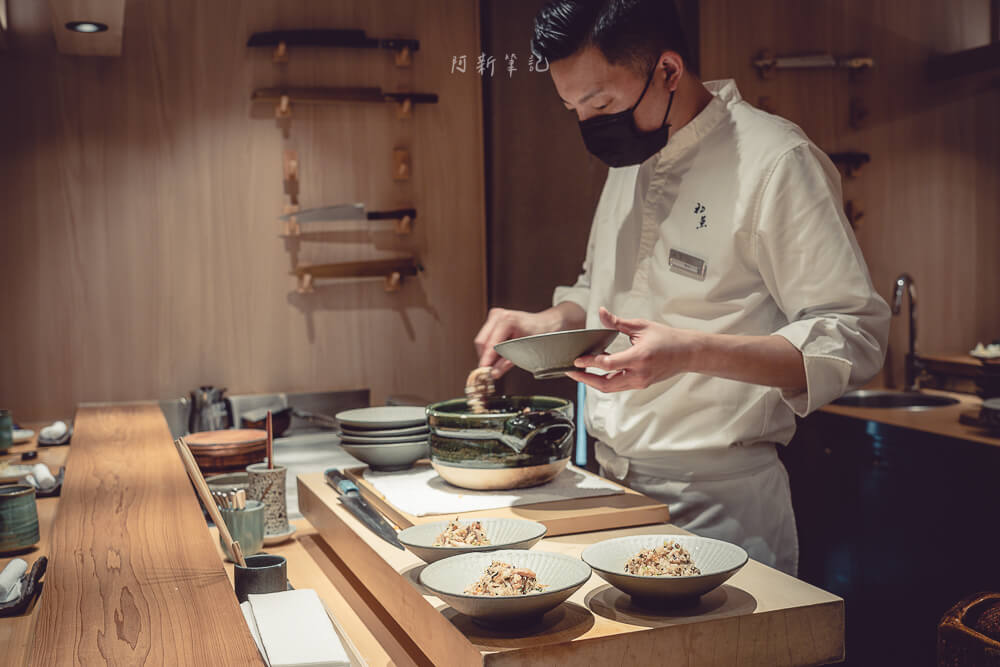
(616, 141)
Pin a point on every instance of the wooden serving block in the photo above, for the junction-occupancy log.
(562, 517)
(759, 617)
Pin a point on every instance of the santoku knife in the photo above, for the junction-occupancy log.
(359, 507)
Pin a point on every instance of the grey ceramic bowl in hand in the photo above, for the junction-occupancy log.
(550, 355)
(561, 575)
(502, 534)
(716, 559)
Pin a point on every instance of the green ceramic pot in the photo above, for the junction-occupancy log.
(520, 441)
(246, 526)
(18, 517)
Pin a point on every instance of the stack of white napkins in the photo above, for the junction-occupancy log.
(291, 628)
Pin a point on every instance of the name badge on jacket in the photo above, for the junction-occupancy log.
(687, 264)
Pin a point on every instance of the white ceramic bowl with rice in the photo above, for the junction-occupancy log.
(502, 534)
(717, 561)
(560, 575)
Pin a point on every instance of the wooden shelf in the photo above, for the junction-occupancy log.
(332, 38)
(392, 270)
(284, 98)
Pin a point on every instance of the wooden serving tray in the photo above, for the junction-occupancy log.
(760, 617)
(576, 515)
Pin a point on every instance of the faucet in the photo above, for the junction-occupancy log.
(913, 366)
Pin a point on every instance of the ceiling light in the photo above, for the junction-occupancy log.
(86, 26)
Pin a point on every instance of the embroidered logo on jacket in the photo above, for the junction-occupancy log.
(699, 212)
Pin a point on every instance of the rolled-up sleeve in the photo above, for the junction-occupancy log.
(812, 266)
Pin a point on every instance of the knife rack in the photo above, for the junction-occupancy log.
(392, 271)
(284, 99)
(767, 63)
(402, 222)
(403, 48)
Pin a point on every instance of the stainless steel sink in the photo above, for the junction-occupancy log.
(900, 400)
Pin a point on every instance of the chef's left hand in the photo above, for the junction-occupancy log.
(658, 352)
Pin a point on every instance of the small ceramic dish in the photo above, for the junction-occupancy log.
(716, 559)
(550, 355)
(384, 440)
(560, 574)
(502, 534)
(383, 417)
(388, 457)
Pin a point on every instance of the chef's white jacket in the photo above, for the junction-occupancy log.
(747, 197)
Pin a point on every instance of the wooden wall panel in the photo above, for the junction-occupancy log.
(930, 195)
(140, 254)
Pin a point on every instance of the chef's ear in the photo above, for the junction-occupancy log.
(672, 68)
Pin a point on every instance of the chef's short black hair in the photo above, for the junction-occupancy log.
(626, 32)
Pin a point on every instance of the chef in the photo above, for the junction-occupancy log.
(720, 250)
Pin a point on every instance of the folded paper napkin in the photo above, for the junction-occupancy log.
(420, 491)
(10, 579)
(293, 629)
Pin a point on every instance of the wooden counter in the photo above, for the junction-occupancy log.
(759, 617)
(941, 420)
(133, 575)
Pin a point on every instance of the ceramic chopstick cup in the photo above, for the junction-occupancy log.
(6, 430)
(268, 486)
(18, 518)
(246, 526)
(264, 573)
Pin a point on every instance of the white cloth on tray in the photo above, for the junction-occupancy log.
(421, 492)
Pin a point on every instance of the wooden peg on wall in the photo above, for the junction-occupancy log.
(305, 285)
(404, 225)
(291, 224)
(290, 168)
(284, 107)
(400, 164)
(404, 57)
(393, 282)
(404, 110)
(280, 53)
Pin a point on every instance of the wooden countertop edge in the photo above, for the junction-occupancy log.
(941, 421)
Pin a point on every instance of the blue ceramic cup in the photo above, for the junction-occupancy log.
(246, 527)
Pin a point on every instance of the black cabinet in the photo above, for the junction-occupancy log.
(900, 523)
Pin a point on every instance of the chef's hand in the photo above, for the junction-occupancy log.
(502, 324)
(657, 353)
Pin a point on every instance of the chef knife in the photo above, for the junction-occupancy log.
(343, 38)
(359, 507)
(348, 212)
